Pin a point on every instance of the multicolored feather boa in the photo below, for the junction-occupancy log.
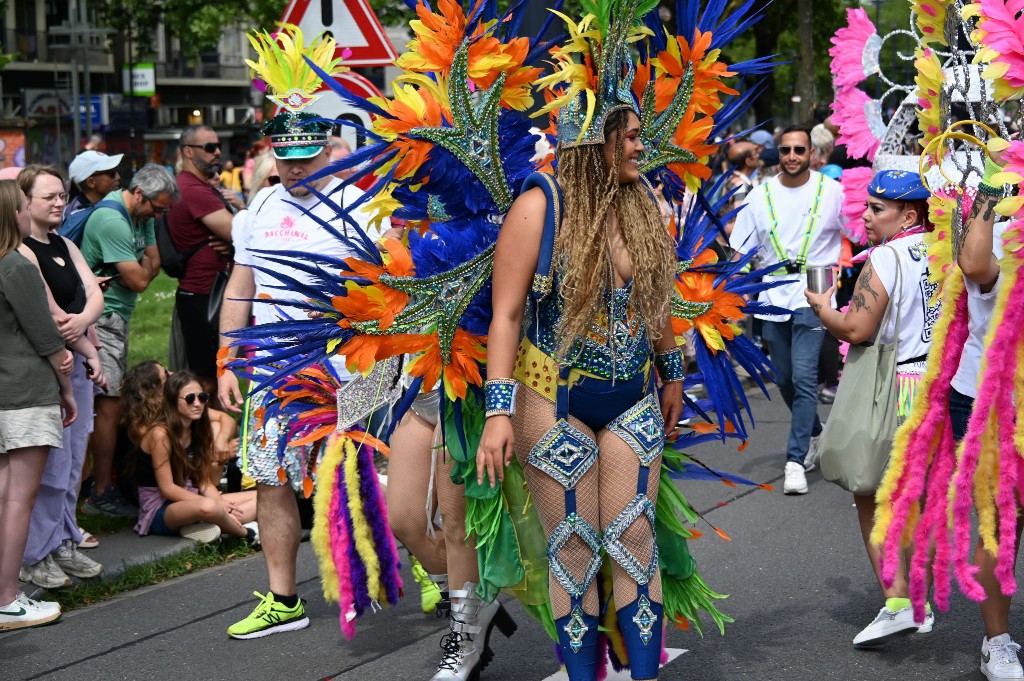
(358, 557)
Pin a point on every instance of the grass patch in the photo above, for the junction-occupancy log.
(137, 576)
(100, 524)
(150, 330)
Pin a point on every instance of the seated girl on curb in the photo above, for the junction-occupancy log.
(176, 469)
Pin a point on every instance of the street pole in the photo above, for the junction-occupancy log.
(131, 97)
(84, 21)
(76, 111)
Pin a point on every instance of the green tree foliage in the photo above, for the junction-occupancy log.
(199, 24)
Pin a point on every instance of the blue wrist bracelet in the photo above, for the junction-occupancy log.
(670, 365)
(500, 396)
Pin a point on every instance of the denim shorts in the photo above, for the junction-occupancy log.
(158, 526)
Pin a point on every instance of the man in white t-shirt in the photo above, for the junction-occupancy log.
(283, 217)
(793, 217)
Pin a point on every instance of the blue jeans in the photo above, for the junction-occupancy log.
(960, 408)
(794, 346)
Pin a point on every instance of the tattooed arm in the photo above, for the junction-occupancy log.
(861, 319)
(976, 259)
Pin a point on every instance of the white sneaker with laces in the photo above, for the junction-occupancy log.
(811, 460)
(23, 612)
(46, 573)
(74, 562)
(999, 659)
(889, 624)
(796, 481)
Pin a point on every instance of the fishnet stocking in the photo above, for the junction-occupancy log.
(533, 418)
(620, 468)
(451, 499)
(408, 482)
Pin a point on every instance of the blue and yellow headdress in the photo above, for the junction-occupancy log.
(281, 64)
(594, 68)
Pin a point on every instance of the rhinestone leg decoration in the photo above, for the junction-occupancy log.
(566, 453)
(641, 621)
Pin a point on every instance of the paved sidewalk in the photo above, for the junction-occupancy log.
(121, 550)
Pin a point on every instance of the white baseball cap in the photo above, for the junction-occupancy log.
(89, 162)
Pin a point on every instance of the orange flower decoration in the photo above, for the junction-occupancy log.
(708, 73)
(411, 108)
(468, 352)
(713, 325)
(375, 302)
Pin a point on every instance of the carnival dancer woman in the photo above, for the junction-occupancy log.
(895, 218)
(575, 400)
(34, 391)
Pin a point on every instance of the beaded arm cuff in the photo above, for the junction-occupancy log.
(500, 396)
(670, 365)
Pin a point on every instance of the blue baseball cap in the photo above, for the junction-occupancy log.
(898, 185)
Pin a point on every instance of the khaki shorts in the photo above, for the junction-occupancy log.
(112, 331)
(31, 427)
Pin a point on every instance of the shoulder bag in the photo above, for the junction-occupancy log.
(858, 435)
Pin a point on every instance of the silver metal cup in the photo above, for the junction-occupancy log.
(820, 279)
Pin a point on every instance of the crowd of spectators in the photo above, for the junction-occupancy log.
(76, 250)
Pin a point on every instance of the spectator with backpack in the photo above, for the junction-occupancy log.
(93, 175)
(119, 241)
(199, 228)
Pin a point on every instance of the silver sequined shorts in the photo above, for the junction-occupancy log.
(263, 464)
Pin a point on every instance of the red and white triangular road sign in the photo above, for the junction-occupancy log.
(353, 24)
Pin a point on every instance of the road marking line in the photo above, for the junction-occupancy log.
(613, 675)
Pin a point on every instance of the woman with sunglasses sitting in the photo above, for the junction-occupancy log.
(177, 471)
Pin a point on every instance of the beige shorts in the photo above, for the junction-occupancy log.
(31, 427)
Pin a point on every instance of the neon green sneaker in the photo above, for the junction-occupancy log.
(430, 595)
(269, 617)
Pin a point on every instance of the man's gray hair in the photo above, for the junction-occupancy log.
(154, 180)
(191, 132)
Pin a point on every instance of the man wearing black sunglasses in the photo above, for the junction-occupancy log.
(794, 219)
(199, 224)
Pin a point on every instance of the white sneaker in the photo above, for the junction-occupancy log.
(74, 562)
(999, 659)
(929, 623)
(811, 460)
(23, 612)
(203, 533)
(889, 624)
(796, 481)
(254, 526)
(46, 573)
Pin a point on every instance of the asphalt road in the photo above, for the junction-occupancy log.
(800, 587)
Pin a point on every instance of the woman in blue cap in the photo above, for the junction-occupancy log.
(895, 216)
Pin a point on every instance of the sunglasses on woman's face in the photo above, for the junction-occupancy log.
(191, 398)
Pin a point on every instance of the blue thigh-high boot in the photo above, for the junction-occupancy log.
(577, 637)
(566, 454)
(641, 621)
(641, 624)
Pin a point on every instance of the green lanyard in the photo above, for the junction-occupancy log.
(773, 236)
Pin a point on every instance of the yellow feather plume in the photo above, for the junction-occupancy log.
(281, 64)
